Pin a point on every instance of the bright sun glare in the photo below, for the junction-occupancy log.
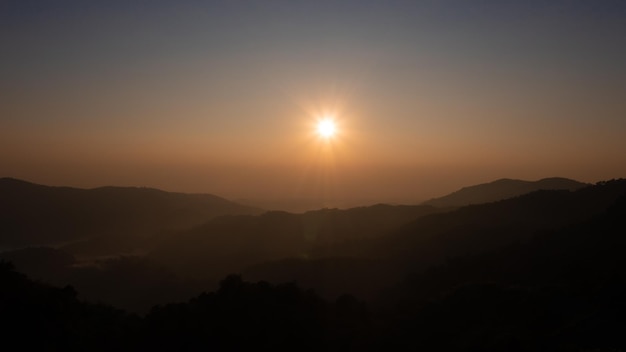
(326, 128)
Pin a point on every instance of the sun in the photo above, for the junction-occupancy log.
(326, 128)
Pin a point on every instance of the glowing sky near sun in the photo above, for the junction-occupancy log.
(220, 96)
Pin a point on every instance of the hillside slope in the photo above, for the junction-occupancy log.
(32, 214)
(502, 189)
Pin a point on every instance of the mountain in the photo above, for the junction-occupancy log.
(32, 214)
(37, 316)
(231, 243)
(185, 262)
(127, 282)
(239, 316)
(474, 229)
(561, 291)
(362, 250)
(502, 189)
(367, 266)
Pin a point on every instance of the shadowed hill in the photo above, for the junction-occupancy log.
(502, 189)
(359, 251)
(478, 228)
(562, 291)
(366, 266)
(41, 263)
(36, 316)
(128, 282)
(239, 316)
(189, 261)
(32, 214)
(236, 243)
(229, 244)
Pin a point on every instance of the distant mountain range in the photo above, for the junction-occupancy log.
(558, 287)
(502, 189)
(364, 267)
(201, 238)
(115, 218)
(230, 243)
(543, 271)
(32, 214)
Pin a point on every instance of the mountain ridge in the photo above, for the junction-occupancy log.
(502, 189)
(34, 214)
(16, 181)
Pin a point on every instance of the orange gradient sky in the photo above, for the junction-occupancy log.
(223, 97)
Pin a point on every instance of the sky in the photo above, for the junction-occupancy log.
(222, 97)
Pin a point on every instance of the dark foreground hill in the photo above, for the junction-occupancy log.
(127, 282)
(32, 214)
(502, 189)
(564, 290)
(239, 316)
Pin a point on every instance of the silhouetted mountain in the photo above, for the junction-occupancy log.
(222, 246)
(132, 283)
(360, 250)
(562, 291)
(331, 276)
(543, 271)
(373, 263)
(231, 243)
(477, 228)
(39, 317)
(502, 189)
(32, 215)
(41, 263)
(243, 316)
(240, 316)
